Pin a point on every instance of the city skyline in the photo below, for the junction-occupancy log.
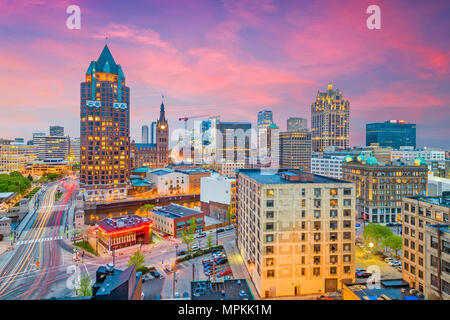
(398, 72)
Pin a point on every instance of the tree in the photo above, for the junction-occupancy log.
(394, 242)
(147, 207)
(375, 233)
(209, 241)
(85, 289)
(138, 259)
(230, 213)
(189, 234)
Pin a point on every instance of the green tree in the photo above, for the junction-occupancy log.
(85, 289)
(230, 213)
(189, 234)
(147, 207)
(138, 259)
(394, 243)
(375, 233)
(209, 241)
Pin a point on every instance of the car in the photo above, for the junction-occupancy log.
(220, 230)
(201, 235)
(363, 274)
(388, 259)
(221, 261)
(207, 265)
(229, 228)
(228, 277)
(181, 252)
(195, 248)
(394, 263)
(207, 260)
(155, 273)
(225, 272)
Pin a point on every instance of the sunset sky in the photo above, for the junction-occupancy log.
(229, 58)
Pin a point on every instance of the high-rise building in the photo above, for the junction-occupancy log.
(295, 150)
(392, 133)
(56, 131)
(269, 146)
(380, 188)
(296, 231)
(53, 147)
(297, 124)
(75, 149)
(153, 132)
(104, 130)
(144, 139)
(418, 213)
(265, 119)
(233, 141)
(330, 120)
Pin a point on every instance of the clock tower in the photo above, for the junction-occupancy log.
(162, 139)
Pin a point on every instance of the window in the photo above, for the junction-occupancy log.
(269, 226)
(269, 214)
(316, 214)
(270, 192)
(269, 262)
(347, 202)
(269, 250)
(316, 192)
(333, 203)
(316, 272)
(347, 213)
(333, 192)
(333, 213)
(269, 203)
(269, 238)
(333, 270)
(347, 258)
(270, 273)
(347, 192)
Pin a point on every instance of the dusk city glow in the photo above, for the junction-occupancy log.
(210, 150)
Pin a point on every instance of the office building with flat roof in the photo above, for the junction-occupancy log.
(296, 124)
(295, 150)
(392, 133)
(296, 231)
(418, 212)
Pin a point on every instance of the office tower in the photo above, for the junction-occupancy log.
(297, 124)
(56, 131)
(208, 135)
(264, 121)
(104, 130)
(144, 134)
(380, 188)
(419, 248)
(296, 231)
(330, 120)
(295, 150)
(53, 147)
(153, 132)
(269, 146)
(233, 140)
(15, 156)
(392, 133)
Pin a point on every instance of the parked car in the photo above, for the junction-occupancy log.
(181, 252)
(207, 265)
(395, 263)
(363, 274)
(220, 230)
(154, 273)
(225, 272)
(201, 235)
(207, 260)
(389, 259)
(221, 261)
(229, 228)
(360, 270)
(195, 248)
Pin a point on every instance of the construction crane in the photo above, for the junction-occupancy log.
(185, 119)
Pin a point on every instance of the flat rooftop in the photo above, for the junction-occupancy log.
(391, 289)
(123, 222)
(266, 177)
(439, 201)
(175, 211)
(233, 289)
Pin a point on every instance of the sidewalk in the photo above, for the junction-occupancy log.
(238, 267)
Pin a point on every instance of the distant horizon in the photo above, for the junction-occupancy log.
(230, 58)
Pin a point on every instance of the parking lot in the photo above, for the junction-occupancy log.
(365, 261)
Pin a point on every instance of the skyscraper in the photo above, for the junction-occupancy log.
(392, 133)
(144, 134)
(153, 132)
(56, 131)
(295, 150)
(330, 120)
(104, 130)
(297, 124)
(265, 119)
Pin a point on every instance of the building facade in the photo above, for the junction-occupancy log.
(233, 141)
(327, 166)
(380, 189)
(144, 138)
(409, 154)
(297, 124)
(104, 130)
(15, 156)
(175, 219)
(295, 150)
(56, 131)
(296, 231)
(217, 195)
(169, 182)
(330, 120)
(437, 269)
(418, 212)
(392, 133)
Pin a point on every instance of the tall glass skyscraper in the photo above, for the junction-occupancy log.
(265, 119)
(392, 133)
(144, 134)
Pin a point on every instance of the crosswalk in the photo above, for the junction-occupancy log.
(39, 240)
